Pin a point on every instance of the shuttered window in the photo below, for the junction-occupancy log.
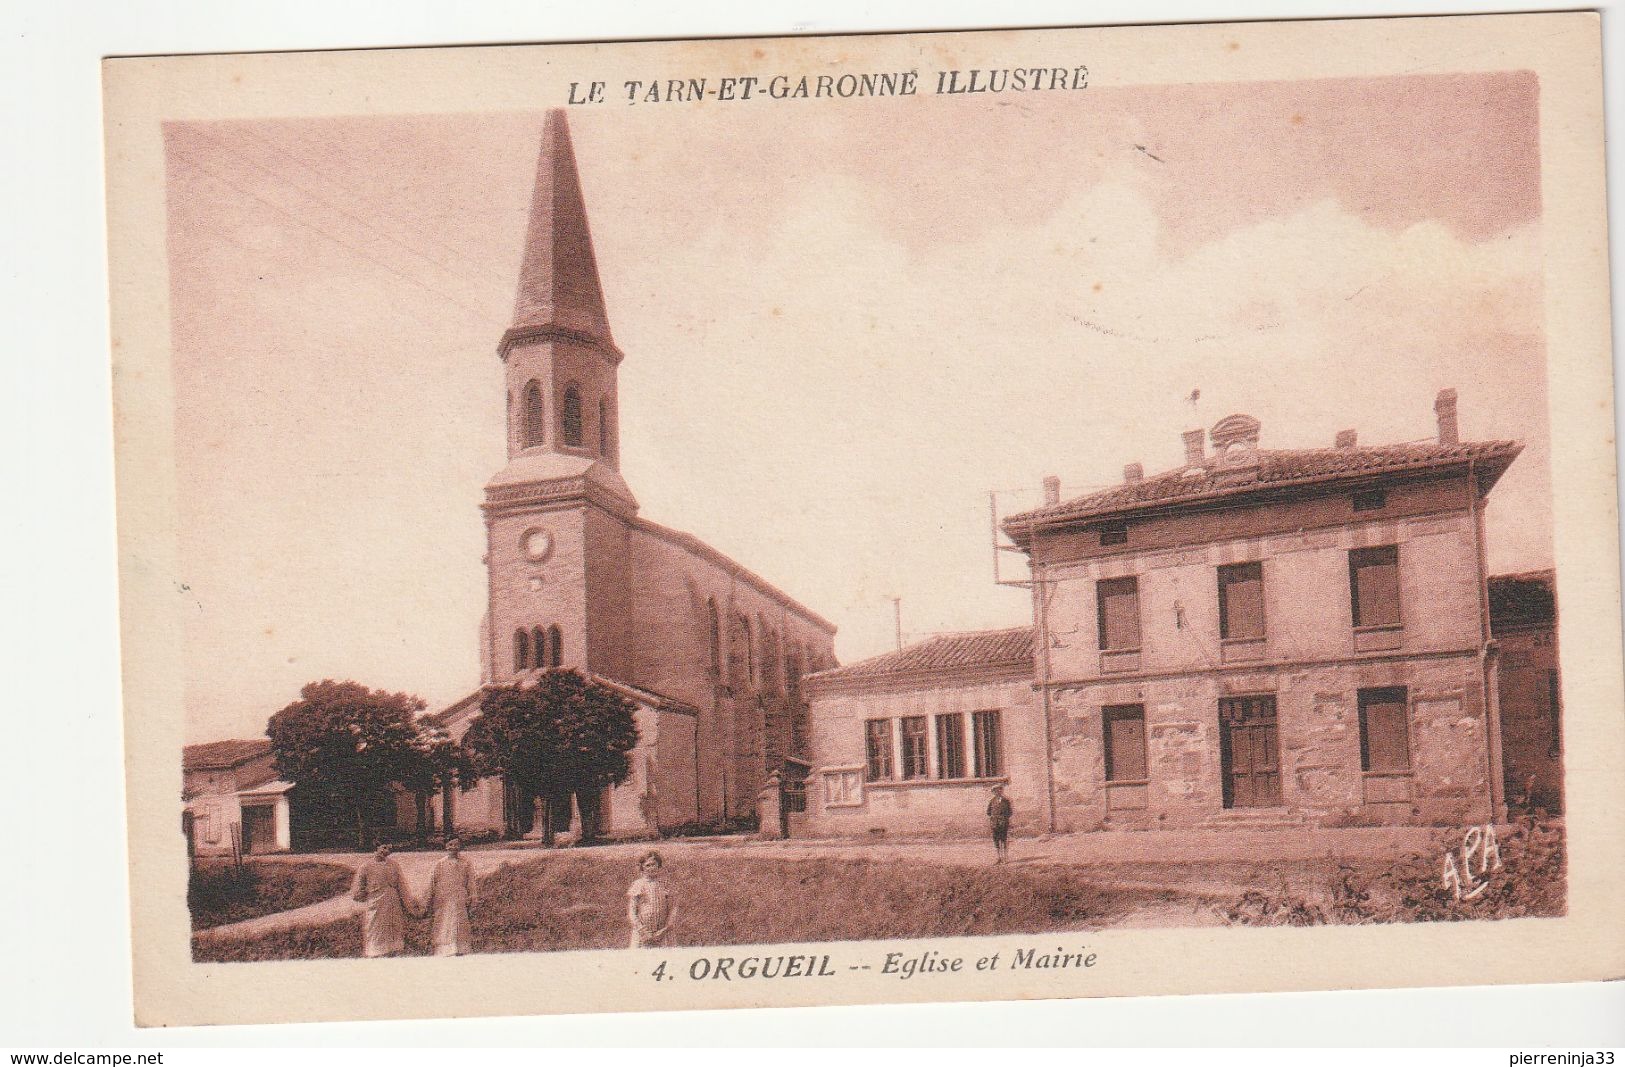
(987, 737)
(1118, 604)
(1125, 743)
(1384, 737)
(1241, 601)
(1374, 585)
(914, 746)
(877, 744)
(951, 746)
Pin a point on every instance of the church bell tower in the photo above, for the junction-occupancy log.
(558, 514)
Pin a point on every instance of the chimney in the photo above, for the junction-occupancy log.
(1052, 490)
(1133, 473)
(1194, 451)
(1445, 408)
(1346, 439)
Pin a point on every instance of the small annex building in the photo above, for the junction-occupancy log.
(913, 740)
(233, 800)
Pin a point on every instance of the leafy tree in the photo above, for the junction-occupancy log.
(561, 736)
(438, 763)
(343, 745)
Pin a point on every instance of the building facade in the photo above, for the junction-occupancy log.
(712, 654)
(1523, 617)
(1258, 637)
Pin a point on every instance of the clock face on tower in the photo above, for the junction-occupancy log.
(537, 545)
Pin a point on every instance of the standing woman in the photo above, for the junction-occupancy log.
(381, 887)
(451, 903)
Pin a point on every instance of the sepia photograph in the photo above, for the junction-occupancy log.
(872, 511)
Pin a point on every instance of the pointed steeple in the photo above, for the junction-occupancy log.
(559, 290)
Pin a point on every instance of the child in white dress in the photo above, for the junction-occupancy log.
(650, 907)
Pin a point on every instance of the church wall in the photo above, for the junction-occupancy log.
(671, 639)
(841, 802)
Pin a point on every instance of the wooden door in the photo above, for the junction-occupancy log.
(259, 830)
(1249, 752)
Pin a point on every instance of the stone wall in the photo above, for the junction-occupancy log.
(1318, 737)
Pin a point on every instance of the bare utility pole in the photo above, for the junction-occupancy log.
(897, 619)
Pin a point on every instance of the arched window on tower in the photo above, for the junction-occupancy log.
(535, 426)
(521, 650)
(555, 646)
(570, 417)
(538, 644)
(603, 427)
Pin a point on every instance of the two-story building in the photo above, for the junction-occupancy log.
(1259, 636)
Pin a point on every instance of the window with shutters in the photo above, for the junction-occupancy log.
(1385, 746)
(987, 744)
(951, 745)
(538, 650)
(1117, 603)
(878, 749)
(913, 730)
(1125, 742)
(521, 650)
(1374, 586)
(1241, 601)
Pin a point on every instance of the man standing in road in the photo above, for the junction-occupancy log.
(998, 819)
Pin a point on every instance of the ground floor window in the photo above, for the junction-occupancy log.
(914, 746)
(1384, 731)
(951, 745)
(877, 738)
(1124, 726)
(1249, 752)
(988, 743)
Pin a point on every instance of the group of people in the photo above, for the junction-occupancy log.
(380, 887)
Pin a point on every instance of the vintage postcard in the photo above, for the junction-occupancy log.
(831, 520)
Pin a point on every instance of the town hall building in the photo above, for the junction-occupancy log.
(1258, 637)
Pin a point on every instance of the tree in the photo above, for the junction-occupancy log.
(560, 737)
(438, 764)
(342, 745)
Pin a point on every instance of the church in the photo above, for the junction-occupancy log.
(712, 654)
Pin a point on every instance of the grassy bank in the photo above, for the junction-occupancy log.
(1530, 881)
(219, 893)
(572, 901)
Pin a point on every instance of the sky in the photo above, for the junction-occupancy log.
(845, 323)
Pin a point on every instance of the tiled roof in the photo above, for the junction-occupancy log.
(983, 648)
(218, 755)
(1274, 468)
